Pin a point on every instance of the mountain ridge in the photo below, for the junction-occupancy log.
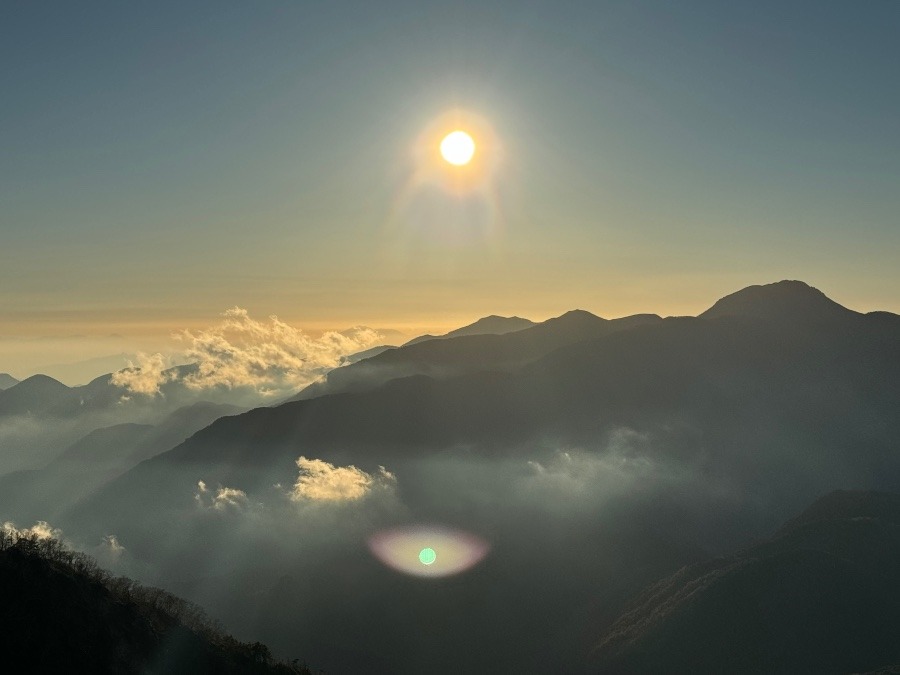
(487, 325)
(821, 596)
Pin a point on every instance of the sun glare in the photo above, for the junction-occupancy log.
(458, 148)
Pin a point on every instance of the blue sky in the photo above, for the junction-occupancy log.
(160, 162)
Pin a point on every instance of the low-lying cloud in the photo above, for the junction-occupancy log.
(223, 499)
(145, 374)
(270, 357)
(321, 481)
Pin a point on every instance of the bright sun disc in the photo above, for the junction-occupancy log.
(458, 148)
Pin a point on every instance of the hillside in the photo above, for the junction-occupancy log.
(96, 458)
(628, 453)
(453, 356)
(822, 596)
(61, 613)
(743, 385)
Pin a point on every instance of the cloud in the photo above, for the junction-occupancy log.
(321, 481)
(145, 375)
(40, 530)
(109, 552)
(111, 543)
(270, 357)
(224, 499)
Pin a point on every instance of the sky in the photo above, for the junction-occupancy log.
(163, 162)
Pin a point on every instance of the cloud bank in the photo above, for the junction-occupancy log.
(270, 357)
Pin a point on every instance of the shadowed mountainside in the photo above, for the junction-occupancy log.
(448, 357)
(822, 596)
(61, 613)
(7, 381)
(96, 458)
(750, 397)
(689, 435)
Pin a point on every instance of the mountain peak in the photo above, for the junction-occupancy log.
(576, 316)
(783, 300)
(493, 324)
(487, 325)
(42, 382)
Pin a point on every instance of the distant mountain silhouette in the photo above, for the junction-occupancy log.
(748, 400)
(81, 372)
(822, 596)
(725, 426)
(43, 396)
(38, 395)
(7, 381)
(96, 458)
(488, 325)
(785, 301)
(452, 356)
(60, 613)
(103, 448)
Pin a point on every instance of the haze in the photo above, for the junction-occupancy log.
(161, 164)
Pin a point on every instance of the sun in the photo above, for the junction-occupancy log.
(458, 148)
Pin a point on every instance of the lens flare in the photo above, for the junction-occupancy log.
(425, 551)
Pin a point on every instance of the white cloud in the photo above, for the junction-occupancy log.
(145, 375)
(227, 497)
(224, 499)
(111, 543)
(41, 530)
(321, 481)
(271, 356)
(109, 552)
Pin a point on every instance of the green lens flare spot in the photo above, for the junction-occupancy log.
(427, 556)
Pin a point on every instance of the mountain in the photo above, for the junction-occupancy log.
(96, 458)
(103, 449)
(626, 448)
(785, 301)
(7, 381)
(453, 356)
(365, 354)
(63, 614)
(489, 325)
(39, 395)
(81, 372)
(781, 415)
(821, 596)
